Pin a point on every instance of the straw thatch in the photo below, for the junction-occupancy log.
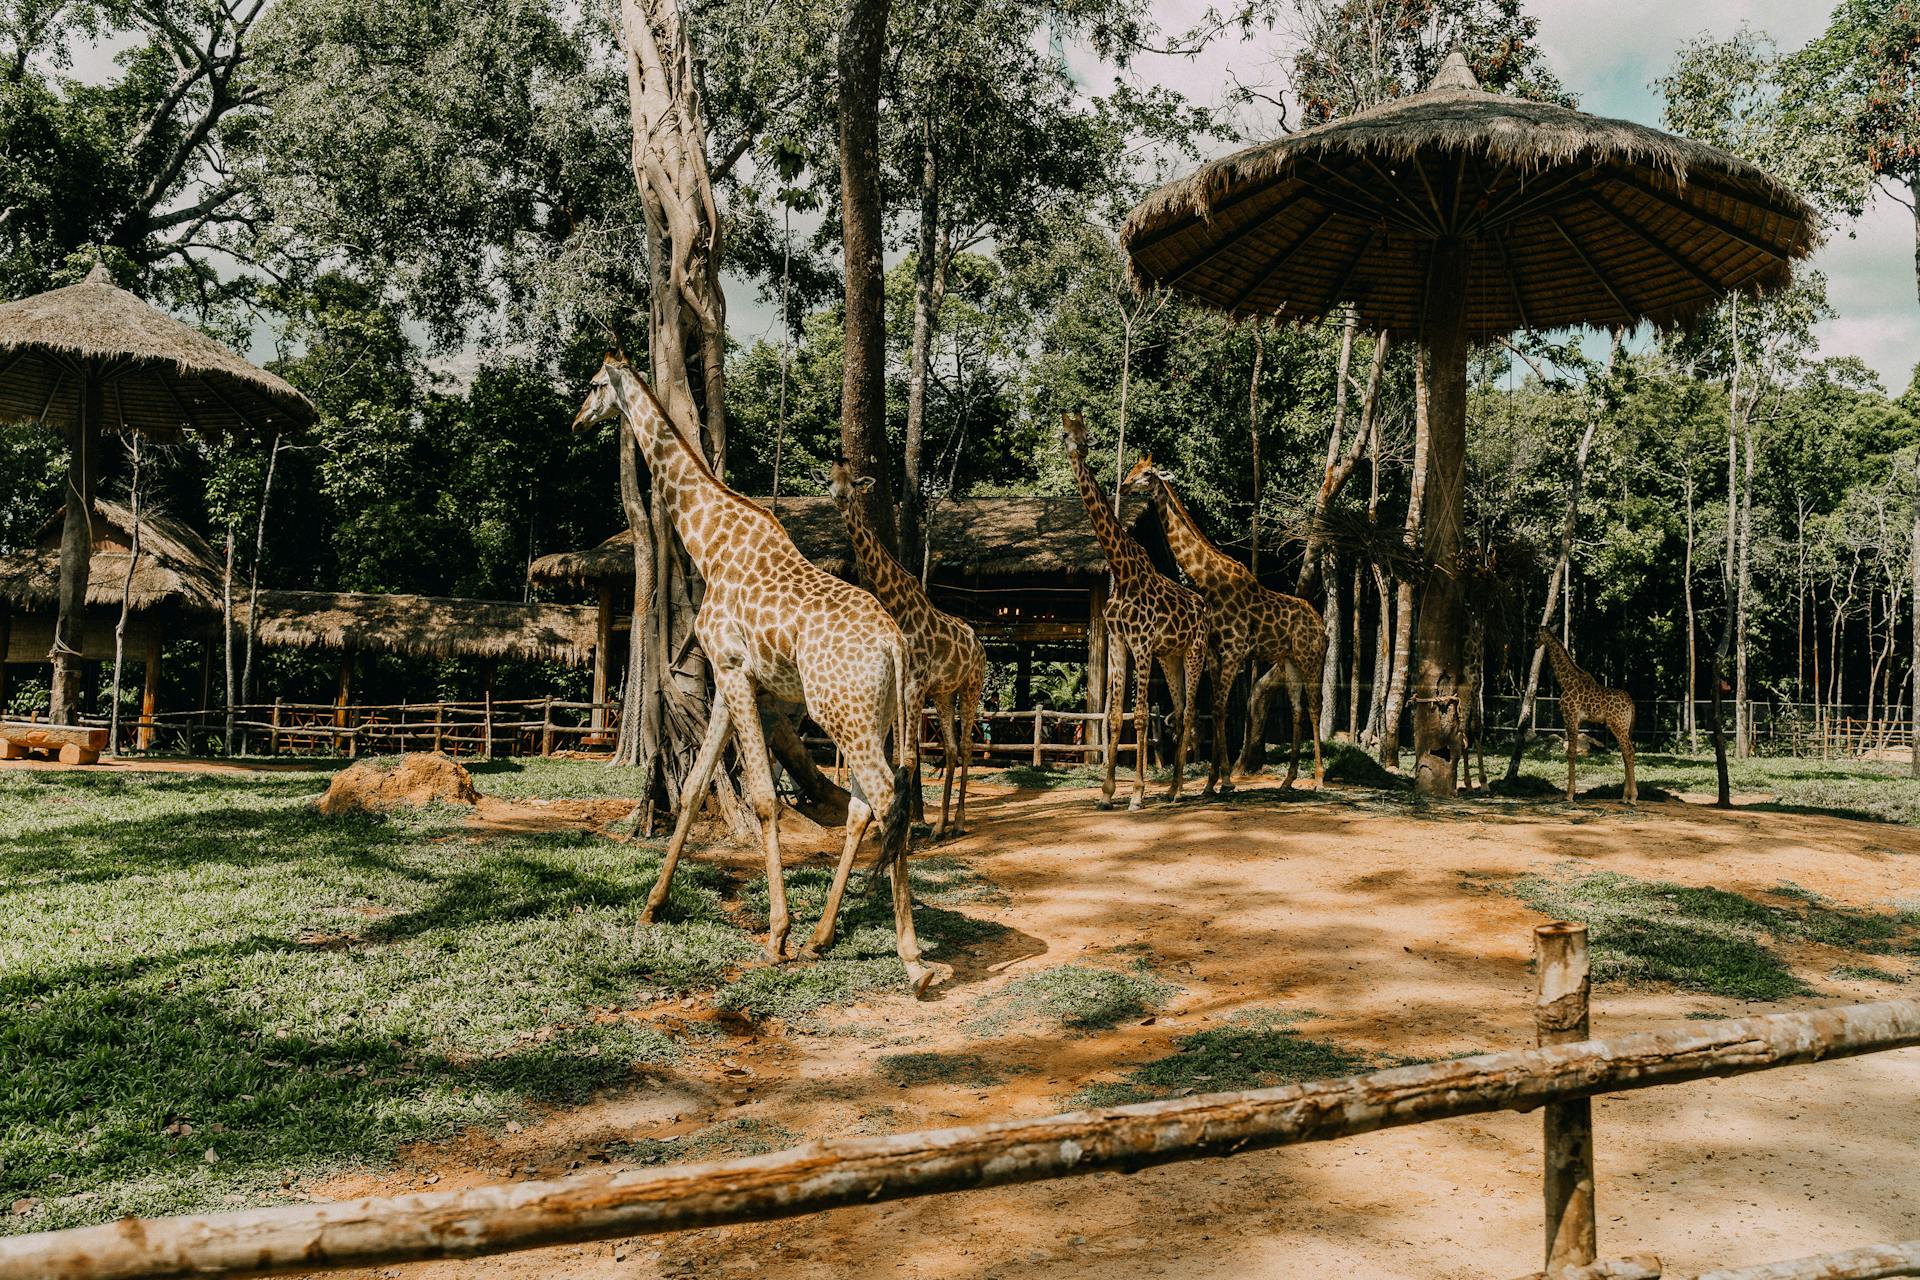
(158, 376)
(176, 565)
(971, 539)
(425, 626)
(1573, 218)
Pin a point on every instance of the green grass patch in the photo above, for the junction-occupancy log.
(1256, 1049)
(1867, 973)
(528, 777)
(745, 1136)
(1697, 939)
(1868, 790)
(938, 1068)
(198, 962)
(1081, 998)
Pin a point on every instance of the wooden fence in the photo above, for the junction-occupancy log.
(1560, 1077)
(484, 729)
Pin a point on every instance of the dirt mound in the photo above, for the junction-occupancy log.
(1349, 764)
(399, 782)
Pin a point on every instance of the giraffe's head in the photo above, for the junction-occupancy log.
(1141, 478)
(1073, 430)
(842, 485)
(603, 403)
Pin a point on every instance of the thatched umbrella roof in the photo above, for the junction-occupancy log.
(426, 626)
(176, 565)
(158, 376)
(1019, 535)
(1572, 218)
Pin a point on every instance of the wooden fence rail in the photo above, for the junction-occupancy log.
(835, 1172)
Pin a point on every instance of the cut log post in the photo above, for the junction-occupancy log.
(273, 733)
(439, 723)
(343, 692)
(1039, 731)
(546, 726)
(1560, 1016)
(836, 1172)
(149, 687)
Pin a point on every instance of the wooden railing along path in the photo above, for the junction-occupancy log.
(1559, 1077)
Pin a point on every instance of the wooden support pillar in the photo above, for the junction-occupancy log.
(1442, 359)
(602, 663)
(273, 734)
(6, 643)
(1560, 1016)
(546, 726)
(1039, 731)
(150, 687)
(486, 693)
(343, 692)
(1097, 647)
(76, 551)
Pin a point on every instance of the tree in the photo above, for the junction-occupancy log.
(863, 386)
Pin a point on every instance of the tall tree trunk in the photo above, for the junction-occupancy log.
(253, 576)
(1913, 568)
(1730, 571)
(1403, 603)
(1353, 668)
(226, 628)
(1743, 709)
(1120, 435)
(863, 387)
(1330, 666)
(76, 552)
(1437, 712)
(929, 279)
(1253, 443)
(126, 600)
(667, 695)
(1693, 627)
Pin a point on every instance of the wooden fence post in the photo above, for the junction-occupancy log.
(1560, 1016)
(1039, 730)
(546, 726)
(273, 734)
(439, 721)
(486, 751)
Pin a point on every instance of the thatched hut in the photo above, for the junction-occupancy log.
(349, 623)
(1024, 570)
(174, 595)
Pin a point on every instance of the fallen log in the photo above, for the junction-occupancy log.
(72, 743)
(836, 1172)
(1871, 1263)
(1639, 1266)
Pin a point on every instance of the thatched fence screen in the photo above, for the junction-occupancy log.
(1557, 1078)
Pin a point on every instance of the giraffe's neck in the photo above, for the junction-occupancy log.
(1124, 556)
(1211, 570)
(896, 589)
(706, 514)
(1564, 668)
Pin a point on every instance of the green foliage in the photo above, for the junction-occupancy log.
(1080, 998)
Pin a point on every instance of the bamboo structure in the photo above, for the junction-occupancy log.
(835, 1172)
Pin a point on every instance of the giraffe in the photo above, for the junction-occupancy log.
(1150, 616)
(1245, 620)
(1584, 701)
(772, 624)
(946, 663)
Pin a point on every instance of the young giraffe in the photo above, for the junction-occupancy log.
(946, 664)
(1246, 620)
(771, 622)
(1150, 616)
(1584, 701)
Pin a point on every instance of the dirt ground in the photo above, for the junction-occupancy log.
(1376, 920)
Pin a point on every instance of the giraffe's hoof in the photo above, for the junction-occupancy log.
(810, 954)
(1226, 787)
(774, 952)
(1103, 805)
(919, 978)
(649, 914)
(1134, 805)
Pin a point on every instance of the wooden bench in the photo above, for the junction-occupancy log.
(71, 743)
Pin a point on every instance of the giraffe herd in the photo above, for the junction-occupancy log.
(778, 632)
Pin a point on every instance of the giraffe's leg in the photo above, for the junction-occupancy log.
(757, 780)
(1116, 709)
(1174, 667)
(1190, 703)
(1313, 730)
(1573, 741)
(1219, 772)
(876, 780)
(943, 716)
(1142, 706)
(1623, 730)
(859, 817)
(968, 708)
(692, 797)
(916, 723)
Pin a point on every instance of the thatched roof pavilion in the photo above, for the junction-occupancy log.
(1454, 214)
(175, 594)
(426, 626)
(1025, 570)
(91, 355)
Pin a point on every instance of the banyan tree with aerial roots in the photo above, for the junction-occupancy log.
(1455, 215)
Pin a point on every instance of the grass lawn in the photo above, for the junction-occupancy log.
(208, 992)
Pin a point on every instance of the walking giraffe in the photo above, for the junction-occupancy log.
(772, 623)
(1244, 619)
(1583, 700)
(1149, 616)
(946, 664)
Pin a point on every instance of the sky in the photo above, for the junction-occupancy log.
(1606, 51)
